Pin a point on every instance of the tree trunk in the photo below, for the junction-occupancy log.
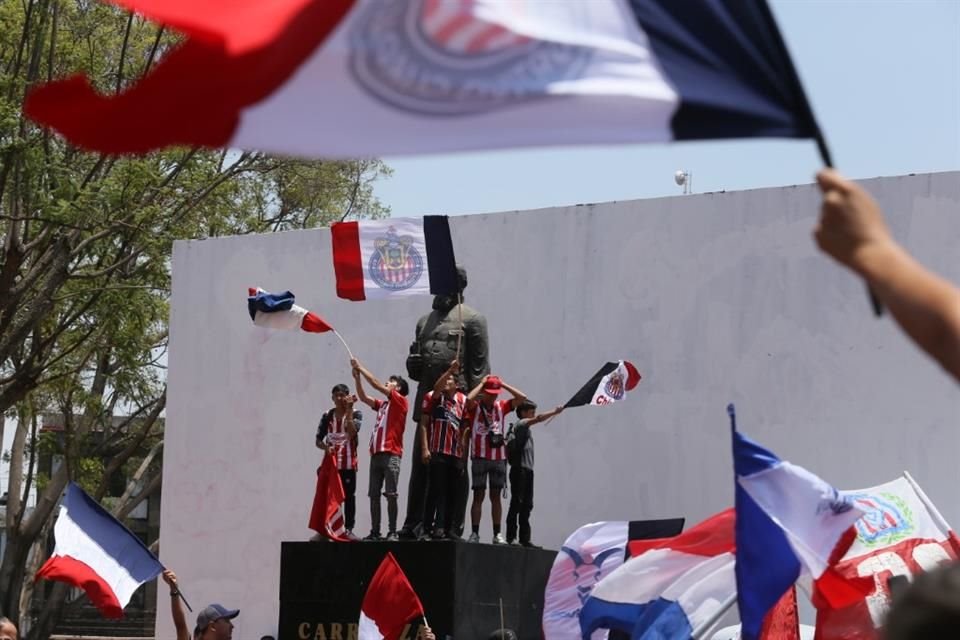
(11, 575)
(50, 614)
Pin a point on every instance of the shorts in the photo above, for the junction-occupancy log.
(384, 474)
(480, 468)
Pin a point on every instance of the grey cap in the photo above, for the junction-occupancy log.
(213, 613)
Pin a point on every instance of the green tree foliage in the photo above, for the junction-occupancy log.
(85, 264)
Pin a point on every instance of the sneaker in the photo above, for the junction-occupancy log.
(530, 545)
(474, 537)
(499, 539)
(317, 538)
(511, 541)
(374, 535)
(392, 536)
(408, 534)
(425, 537)
(351, 536)
(452, 535)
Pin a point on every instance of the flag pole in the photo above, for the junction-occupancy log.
(934, 512)
(345, 346)
(184, 598)
(177, 587)
(793, 78)
(502, 632)
(701, 632)
(459, 322)
(828, 162)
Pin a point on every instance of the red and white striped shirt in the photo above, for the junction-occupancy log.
(443, 429)
(485, 421)
(334, 431)
(387, 432)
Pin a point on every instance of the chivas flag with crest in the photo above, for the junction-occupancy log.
(608, 385)
(901, 533)
(358, 78)
(394, 257)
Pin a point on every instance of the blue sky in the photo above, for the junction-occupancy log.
(883, 77)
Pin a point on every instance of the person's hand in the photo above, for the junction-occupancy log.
(425, 456)
(559, 409)
(170, 578)
(426, 633)
(455, 367)
(355, 364)
(349, 401)
(851, 226)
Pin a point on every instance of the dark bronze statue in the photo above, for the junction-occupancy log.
(433, 349)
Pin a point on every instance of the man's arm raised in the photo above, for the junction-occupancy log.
(853, 232)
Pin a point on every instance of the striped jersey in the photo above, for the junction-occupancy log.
(484, 422)
(334, 431)
(387, 432)
(443, 428)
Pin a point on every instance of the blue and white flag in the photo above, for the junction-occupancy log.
(349, 78)
(789, 521)
(96, 553)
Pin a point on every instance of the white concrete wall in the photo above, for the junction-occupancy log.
(715, 297)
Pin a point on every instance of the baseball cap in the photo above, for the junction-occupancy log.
(213, 613)
(493, 385)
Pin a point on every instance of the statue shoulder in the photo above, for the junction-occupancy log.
(471, 314)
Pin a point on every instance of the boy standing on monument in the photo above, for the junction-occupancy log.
(386, 444)
(484, 437)
(520, 456)
(337, 436)
(440, 427)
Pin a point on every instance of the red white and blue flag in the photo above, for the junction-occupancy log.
(349, 78)
(280, 311)
(608, 385)
(376, 259)
(789, 522)
(674, 589)
(96, 553)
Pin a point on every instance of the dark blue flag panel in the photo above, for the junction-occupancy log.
(729, 64)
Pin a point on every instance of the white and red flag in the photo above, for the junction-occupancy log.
(96, 553)
(901, 533)
(280, 311)
(375, 259)
(357, 78)
(326, 516)
(389, 604)
(607, 385)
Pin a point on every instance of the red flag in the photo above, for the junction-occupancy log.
(326, 517)
(782, 622)
(390, 603)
